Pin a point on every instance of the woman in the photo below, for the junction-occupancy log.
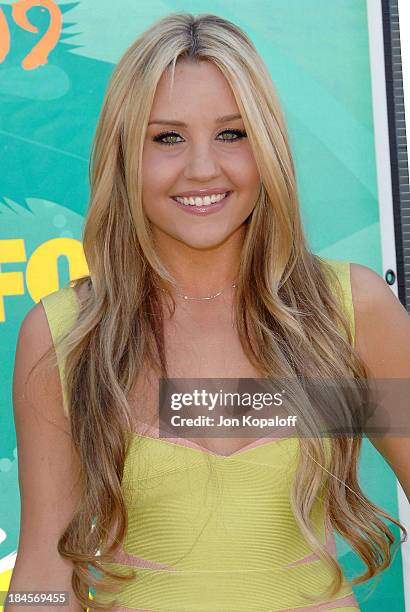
(199, 268)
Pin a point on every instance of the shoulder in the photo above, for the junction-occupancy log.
(31, 373)
(360, 276)
(41, 324)
(34, 333)
(368, 299)
(382, 324)
(70, 296)
(370, 292)
(50, 317)
(62, 307)
(375, 305)
(339, 268)
(41, 330)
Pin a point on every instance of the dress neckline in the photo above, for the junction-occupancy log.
(188, 444)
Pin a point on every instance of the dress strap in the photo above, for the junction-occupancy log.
(61, 308)
(342, 270)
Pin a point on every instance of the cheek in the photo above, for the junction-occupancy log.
(158, 172)
(159, 169)
(244, 170)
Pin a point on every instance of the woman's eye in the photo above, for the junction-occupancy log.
(168, 138)
(160, 138)
(239, 134)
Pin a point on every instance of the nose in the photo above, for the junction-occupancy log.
(202, 164)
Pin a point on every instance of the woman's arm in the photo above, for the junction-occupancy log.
(47, 467)
(383, 342)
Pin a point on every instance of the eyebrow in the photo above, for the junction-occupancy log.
(223, 119)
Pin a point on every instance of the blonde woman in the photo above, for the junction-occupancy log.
(198, 268)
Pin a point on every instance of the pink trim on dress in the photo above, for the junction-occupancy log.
(153, 433)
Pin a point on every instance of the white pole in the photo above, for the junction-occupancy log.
(376, 50)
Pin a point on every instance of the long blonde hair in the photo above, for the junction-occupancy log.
(289, 313)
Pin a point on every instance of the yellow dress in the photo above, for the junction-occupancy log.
(212, 533)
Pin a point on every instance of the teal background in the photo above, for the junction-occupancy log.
(318, 55)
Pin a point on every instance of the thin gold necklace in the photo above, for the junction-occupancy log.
(207, 297)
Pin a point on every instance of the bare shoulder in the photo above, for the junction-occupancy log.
(369, 289)
(34, 333)
(382, 324)
(36, 380)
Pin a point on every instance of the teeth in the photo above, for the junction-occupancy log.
(197, 201)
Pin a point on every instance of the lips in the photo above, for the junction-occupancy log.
(225, 193)
(203, 210)
(201, 193)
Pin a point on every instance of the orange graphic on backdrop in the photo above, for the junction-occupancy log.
(4, 37)
(38, 56)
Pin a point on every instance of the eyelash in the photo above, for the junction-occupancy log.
(158, 138)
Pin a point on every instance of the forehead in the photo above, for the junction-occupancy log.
(196, 83)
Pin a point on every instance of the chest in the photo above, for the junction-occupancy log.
(195, 348)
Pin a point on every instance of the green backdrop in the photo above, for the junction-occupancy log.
(318, 55)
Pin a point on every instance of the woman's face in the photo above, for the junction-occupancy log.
(208, 152)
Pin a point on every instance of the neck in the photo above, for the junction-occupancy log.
(201, 272)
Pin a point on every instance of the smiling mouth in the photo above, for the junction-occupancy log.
(201, 201)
